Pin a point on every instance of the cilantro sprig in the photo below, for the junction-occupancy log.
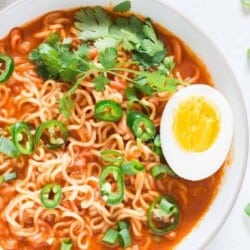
(133, 34)
(56, 59)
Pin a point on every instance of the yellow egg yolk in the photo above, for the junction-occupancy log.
(196, 124)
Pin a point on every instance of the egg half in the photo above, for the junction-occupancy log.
(196, 131)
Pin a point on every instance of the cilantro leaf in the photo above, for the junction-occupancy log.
(156, 79)
(141, 39)
(162, 83)
(66, 106)
(130, 94)
(53, 39)
(106, 42)
(92, 23)
(150, 44)
(167, 65)
(82, 51)
(49, 60)
(55, 60)
(95, 24)
(108, 58)
(143, 86)
(122, 7)
(100, 82)
(128, 31)
(131, 24)
(150, 51)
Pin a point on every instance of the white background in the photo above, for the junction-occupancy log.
(229, 26)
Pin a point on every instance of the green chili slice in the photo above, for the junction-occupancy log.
(141, 126)
(160, 170)
(54, 134)
(22, 137)
(163, 215)
(6, 67)
(110, 237)
(132, 167)
(111, 176)
(112, 156)
(66, 244)
(51, 195)
(108, 110)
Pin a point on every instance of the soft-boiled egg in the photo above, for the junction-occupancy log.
(196, 131)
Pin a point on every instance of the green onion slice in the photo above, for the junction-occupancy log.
(8, 177)
(66, 244)
(110, 237)
(110, 196)
(112, 156)
(124, 238)
(132, 167)
(160, 170)
(7, 147)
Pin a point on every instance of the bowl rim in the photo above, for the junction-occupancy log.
(206, 240)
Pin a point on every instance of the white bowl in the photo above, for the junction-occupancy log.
(25, 10)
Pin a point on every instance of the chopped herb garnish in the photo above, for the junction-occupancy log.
(92, 23)
(108, 58)
(66, 106)
(110, 237)
(162, 83)
(56, 59)
(100, 82)
(122, 7)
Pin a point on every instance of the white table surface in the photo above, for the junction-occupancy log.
(229, 26)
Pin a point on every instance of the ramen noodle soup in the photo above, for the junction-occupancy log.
(81, 164)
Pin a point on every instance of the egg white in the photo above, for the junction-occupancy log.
(196, 165)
